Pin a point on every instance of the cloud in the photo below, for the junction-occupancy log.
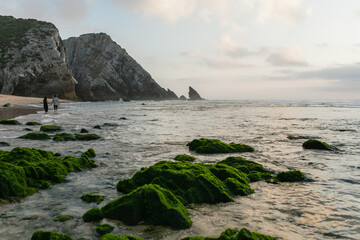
(342, 72)
(64, 10)
(230, 48)
(290, 56)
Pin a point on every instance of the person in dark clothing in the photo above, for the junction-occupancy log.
(46, 104)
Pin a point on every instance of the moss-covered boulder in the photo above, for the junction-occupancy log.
(204, 145)
(234, 234)
(93, 215)
(87, 137)
(10, 122)
(7, 105)
(151, 204)
(33, 123)
(22, 170)
(191, 182)
(184, 158)
(83, 130)
(63, 218)
(50, 128)
(4, 144)
(104, 229)
(44, 235)
(254, 171)
(90, 198)
(316, 144)
(35, 136)
(123, 237)
(89, 153)
(61, 137)
(290, 176)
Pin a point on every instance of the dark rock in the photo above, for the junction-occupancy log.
(234, 234)
(97, 127)
(32, 59)
(93, 215)
(150, 203)
(105, 71)
(123, 118)
(10, 122)
(36, 136)
(44, 235)
(104, 228)
(87, 137)
(50, 128)
(90, 198)
(83, 130)
(4, 144)
(182, 97)
(193, 95)
(28, 129)
(316, 144)
(204, 145)
(7, 105)
(33, 123)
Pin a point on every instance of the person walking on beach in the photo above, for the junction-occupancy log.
(56, 103)
(46, 105)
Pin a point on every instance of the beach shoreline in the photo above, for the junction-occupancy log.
(20, 105)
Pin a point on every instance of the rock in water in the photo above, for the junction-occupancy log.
(105, 71)
(193, 95)
(32, 59)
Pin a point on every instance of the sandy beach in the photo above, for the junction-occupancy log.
(20, 105)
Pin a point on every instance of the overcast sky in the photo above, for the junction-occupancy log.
(225, 49)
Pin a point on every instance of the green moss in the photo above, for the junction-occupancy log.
(50, 128)
(83, 130)
(22, 170)
(44, 235)
(93, 215)
(36, 136)
(10, 122)
(184, 157)
(33, 123)
(7, 105)
(123, 237)
(104, 228)
(203, 145)
(237, 187)
(316, 144)
(151, 204)
(89, 198)
(4, 144)
(290, 176)
(60, 137)
(234, 234)
(191, 182)
(89, 153)
(63, 218)
(87, 137)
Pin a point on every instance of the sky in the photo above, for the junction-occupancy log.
(225, 49)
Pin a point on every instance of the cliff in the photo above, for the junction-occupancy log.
(32, 59)
(105, 71)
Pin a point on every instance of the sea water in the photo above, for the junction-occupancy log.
(138, 134)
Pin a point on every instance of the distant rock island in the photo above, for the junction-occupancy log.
(194, 95)
(34, 61)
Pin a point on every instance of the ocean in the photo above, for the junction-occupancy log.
(140, 133)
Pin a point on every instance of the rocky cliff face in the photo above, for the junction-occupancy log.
(194, 95)
(105, 71)
(33, 60)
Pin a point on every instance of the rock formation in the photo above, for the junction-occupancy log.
(182, 97)
(32, 59)
(105, 71)
(193, 95)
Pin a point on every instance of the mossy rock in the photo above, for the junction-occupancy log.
(104, 229)
(36, 136)
(191, 182)
(61, 137)
(50, 128)
(10, 122)
(93, 215)
(316, 144)
(234, 234)
(184, 158)
(83, 130)
(208, 146)
(4, 144)
(237, 187)
(33, 123)
(151, 204)
(44, 235)
(123, 237)
(90, 153)
(7, 105)
(290, 176)
(87, 137)
(22, 170)
(90, 198)
(63, 218)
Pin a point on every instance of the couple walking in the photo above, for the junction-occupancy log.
(54, 101)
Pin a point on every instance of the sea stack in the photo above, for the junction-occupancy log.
(194, 95)
(105, 71)
(32, 59)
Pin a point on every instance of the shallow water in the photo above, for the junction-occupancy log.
(327, 207)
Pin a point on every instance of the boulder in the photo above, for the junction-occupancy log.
(316, 144)
(44, 235)
(234, 234)
(104, 229)
(204, 145)
(89, 198)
